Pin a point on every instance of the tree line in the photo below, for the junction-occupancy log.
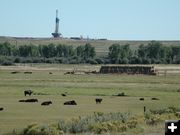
(50, 53)
(153, 53)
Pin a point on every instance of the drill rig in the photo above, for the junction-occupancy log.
(56, 34)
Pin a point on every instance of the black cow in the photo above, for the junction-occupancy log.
(120, 94)
(14, 72)
(28, 92)
(46, 103)
(98, 100)
(70, 102)
(22, 100)
(68, 73)
(1, 109)
(154, 98)
(27, 72)
(63, 95)
(141, 99)
(31, 100)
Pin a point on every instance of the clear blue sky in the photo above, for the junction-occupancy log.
(112, 19)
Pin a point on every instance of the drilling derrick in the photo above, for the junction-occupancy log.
(56, 34)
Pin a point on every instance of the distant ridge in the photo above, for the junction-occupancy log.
(103, 39)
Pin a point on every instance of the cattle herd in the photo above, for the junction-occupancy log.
(71, 102)
(46, 103)
(154, 98)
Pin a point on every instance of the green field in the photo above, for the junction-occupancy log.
(81, 87)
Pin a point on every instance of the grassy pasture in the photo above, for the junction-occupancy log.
(82, 88)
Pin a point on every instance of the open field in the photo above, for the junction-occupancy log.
(101, 46)
(82, 88)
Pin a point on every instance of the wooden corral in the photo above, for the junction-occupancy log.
(129, 69)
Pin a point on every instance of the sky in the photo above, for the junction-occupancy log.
(111, 19)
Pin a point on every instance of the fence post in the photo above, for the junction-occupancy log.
(144, 109)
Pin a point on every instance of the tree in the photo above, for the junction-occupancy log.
(65, 51)
(175, 55)
(155, 52)
(142, 51)
(80, 51)
(52, 52)
(14, 50)
(45, 52)
(120, 53)
(59, 50)
(126, 52)
(92, 52)
(5, 49)
(154, 49)
(71, 51)
(114, 53)
(34, 51)
(165, 55)
(89, 51)
(24, 51)
(40, 50)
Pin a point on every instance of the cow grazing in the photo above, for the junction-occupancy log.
(28, 92)
(68, 73)
(98, 100)
(50, 73)
(64, 95)
(14, 72)
(141, 99)
(120, 94)
(27, 72)
(46, 103)
(154, 98)
(22, 100)
(70, 102)
(94, 72)
(31, 100)
(1, 109)
(28, 100)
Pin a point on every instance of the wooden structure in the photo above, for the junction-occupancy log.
(128, 69)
